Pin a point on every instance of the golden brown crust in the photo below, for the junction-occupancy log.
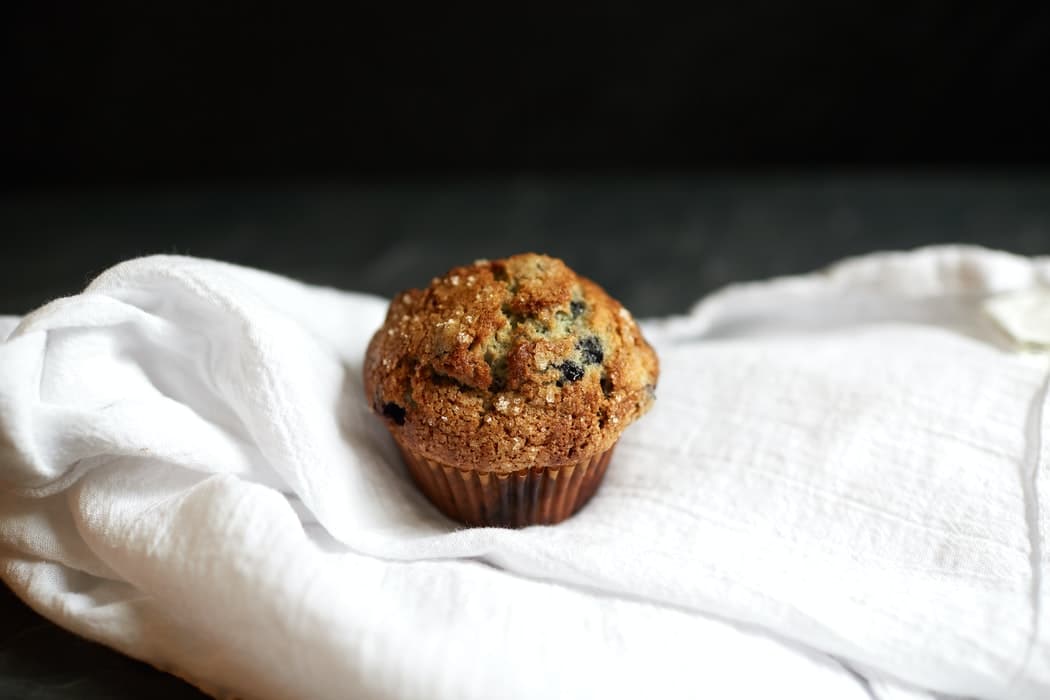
(503, 365)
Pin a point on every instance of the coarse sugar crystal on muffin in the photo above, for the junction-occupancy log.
(508, 376)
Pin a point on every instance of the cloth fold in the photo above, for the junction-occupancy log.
(841, 490)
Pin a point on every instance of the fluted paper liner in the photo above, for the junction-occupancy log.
(531, 496)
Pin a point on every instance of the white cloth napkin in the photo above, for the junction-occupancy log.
(841, 492)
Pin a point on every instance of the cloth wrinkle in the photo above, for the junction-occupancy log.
(1030, 484)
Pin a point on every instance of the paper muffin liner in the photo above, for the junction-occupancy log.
(531, 496)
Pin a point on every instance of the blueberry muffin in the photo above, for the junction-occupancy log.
(506, 385)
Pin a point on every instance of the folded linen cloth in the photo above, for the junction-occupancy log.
(841, 492)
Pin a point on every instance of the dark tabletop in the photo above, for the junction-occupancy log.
(657, 244)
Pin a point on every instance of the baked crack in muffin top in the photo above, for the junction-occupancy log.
(509, 364)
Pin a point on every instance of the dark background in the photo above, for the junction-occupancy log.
(368, 145)
(173, 92)
(663, 153)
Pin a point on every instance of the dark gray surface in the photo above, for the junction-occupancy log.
(39, 661)
(657, 244)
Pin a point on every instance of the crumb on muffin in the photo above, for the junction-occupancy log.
(504, 365)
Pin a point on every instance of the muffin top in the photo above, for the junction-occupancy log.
(509, 364)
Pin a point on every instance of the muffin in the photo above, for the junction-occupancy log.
(506, 385)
